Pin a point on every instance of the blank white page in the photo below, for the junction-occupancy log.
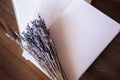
(27, 10)
(81, 33)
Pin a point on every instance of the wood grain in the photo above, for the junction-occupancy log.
(14, 67)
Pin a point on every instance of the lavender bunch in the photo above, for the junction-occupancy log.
(41, 46)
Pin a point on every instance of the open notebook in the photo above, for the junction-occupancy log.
(80, 31)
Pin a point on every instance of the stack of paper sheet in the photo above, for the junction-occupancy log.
(80, 31)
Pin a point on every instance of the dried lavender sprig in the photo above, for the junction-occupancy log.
(43, 64)
(34, 46)
(41, 46)
(39, 43)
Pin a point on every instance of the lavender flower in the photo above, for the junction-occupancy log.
(41, 46)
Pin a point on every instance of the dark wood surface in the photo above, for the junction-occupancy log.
(14, 67)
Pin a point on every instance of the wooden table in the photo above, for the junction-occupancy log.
(14, 67)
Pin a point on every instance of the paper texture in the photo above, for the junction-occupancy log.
(80, 31)
(51, 9)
